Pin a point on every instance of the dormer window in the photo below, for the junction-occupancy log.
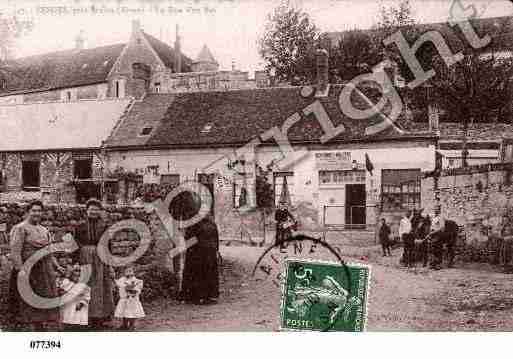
(146, 131)
(207, 128)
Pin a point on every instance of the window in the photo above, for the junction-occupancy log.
(171, 179)
(279, 179)
(400, 189)
(30, 174)
(157, 87)
(83, 168)
(206, 128)
(146, 131)
(240, 191)
(68, 95)
(342, 176)
(119, 88)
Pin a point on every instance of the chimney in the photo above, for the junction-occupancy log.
(178, 53)
(433, 113)
(136, 27)
(322, 72)
(80, 40)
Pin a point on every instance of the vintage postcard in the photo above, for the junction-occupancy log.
(211, 165)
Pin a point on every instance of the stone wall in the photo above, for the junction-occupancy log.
(476, 197)
(62, 219)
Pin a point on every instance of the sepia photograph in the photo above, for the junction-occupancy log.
(255, 166)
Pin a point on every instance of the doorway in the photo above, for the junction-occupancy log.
(30, 175)
(355, 206)
(208, 181)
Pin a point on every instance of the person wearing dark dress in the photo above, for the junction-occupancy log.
(201, 274)
(282, 216)
(87, 236)
(27, 238)
(384, 237)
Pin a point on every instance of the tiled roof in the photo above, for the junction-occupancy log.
(167, 54)
(70, 68)
(61, 69)
(477, 132)
(59, 125)
(235, 117)
(483, 26)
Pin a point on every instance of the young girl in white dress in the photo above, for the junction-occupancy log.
(129, 307)
(74, 311)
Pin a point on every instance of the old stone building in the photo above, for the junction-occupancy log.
(57, 108)
(195, 136)
(108, 72)
(485, 136)
(51, 148)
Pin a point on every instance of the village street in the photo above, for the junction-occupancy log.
(459, 299)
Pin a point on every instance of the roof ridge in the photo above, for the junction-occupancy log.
(63, 51)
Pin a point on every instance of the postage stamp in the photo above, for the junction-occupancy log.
(324, 296)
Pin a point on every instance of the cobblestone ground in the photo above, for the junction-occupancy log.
(466, 298)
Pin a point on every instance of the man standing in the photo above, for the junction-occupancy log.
(88, 235)
(437, 239)
(284, 222)
(406, 237)
(384, 237)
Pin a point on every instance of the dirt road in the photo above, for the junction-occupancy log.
(418, 299)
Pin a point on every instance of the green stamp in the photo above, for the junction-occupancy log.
(324, 296)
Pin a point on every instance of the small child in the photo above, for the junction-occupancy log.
(74, 311)
(129, 307)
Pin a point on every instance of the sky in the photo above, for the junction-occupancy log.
(230, 28)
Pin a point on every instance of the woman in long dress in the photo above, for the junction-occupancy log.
(88, 235)
(201, 274)
(27, 238)
(200, 280)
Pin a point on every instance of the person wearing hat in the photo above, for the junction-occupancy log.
(87, 236)
(283, 219)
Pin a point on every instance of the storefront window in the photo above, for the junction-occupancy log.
(342, 176)
(400, 189)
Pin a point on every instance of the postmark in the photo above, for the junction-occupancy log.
(320, 296)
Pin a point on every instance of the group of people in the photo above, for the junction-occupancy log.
(90, 306)
(422, 236)
(83, 306)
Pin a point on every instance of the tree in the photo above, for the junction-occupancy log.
(288, 44)
(390, 20)
(11, 29)
(353, 55)
(476, 89)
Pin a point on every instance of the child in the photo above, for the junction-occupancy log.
(129, 306)
(74, 311)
